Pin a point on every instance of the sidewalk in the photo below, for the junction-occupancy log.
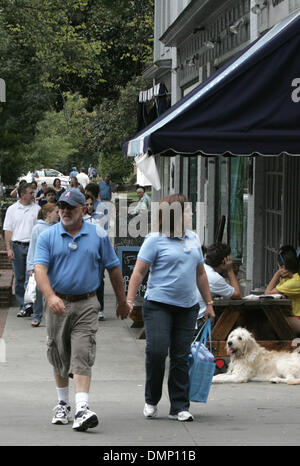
(244, 414)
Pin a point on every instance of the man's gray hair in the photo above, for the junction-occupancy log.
(23, 188)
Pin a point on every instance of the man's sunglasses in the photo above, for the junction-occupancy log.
(64, 205)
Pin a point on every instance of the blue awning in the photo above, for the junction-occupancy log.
(250, 106)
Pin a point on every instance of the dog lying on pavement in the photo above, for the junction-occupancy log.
(250, 361)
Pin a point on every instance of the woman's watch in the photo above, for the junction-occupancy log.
(209, 302)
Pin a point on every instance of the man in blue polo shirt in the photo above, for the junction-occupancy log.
(105, 189)
(67, 268)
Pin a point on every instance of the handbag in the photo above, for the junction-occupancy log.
(202, 366)
(30, 292)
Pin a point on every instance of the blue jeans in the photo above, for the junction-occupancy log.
(170, 330)
(100, 290)
(38, 306)
(20, 274)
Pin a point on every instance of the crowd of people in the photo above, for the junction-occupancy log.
(46, 198)
(53, 233)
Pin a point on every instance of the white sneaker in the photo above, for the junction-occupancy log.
(100, 315)
(182, 416)
(150, 410)
(84, 420)
(62, 413)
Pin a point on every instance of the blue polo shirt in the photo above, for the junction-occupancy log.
(105, 191)
(74, 263)
(173, 263)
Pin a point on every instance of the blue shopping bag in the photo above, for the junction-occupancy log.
(202, 366)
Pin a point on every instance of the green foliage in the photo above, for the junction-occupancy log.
(78, 45)
(66, 64)
(117, 122)
(55, 35)
(26, 100)
(65, 138)
(114, 164)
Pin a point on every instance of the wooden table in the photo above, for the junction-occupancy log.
(265, 318)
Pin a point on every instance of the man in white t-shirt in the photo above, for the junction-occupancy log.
(218, 262)
(19, 221)
(82, 178)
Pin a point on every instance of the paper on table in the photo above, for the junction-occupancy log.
(254, 297)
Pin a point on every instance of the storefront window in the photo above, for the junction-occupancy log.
(238, 207)
(192, 194)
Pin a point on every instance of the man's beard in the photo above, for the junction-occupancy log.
(70, 219)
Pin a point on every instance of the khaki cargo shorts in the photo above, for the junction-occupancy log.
(72, 337)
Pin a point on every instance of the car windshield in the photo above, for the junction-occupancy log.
(51, 173)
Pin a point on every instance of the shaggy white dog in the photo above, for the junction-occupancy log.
(250, 361)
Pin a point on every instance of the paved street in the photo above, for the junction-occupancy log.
(250, 414)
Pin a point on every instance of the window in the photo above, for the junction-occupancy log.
(51, 173)
(238, 207)
(192, 192)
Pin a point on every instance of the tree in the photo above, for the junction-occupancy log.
(53, 48)
(126, 27)
(117, 122)
(26, 101)
(64, 138)
(83, 46)
(55, 36)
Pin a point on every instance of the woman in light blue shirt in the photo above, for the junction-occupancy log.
(173, 257)
(47, 216)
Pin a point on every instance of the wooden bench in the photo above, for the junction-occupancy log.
(265, 318)
(6, 277)
(6, 284)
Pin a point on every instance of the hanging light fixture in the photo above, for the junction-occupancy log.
(259, 6)
(234, 28)
(210, 44)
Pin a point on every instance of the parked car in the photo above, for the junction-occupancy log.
(45, 174)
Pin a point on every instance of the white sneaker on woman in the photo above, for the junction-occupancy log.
(100, 315)
(150, 410)
(182, 416)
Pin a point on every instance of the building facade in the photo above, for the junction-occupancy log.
(256, 200)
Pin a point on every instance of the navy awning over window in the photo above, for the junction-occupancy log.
(250, 106)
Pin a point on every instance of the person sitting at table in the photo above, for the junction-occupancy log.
(218, 262)
(286, 281)
(142, 205)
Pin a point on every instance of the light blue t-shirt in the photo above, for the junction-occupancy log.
(74, 263)
(37, 230)
(173, 263)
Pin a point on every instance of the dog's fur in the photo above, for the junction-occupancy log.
(250, 361)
